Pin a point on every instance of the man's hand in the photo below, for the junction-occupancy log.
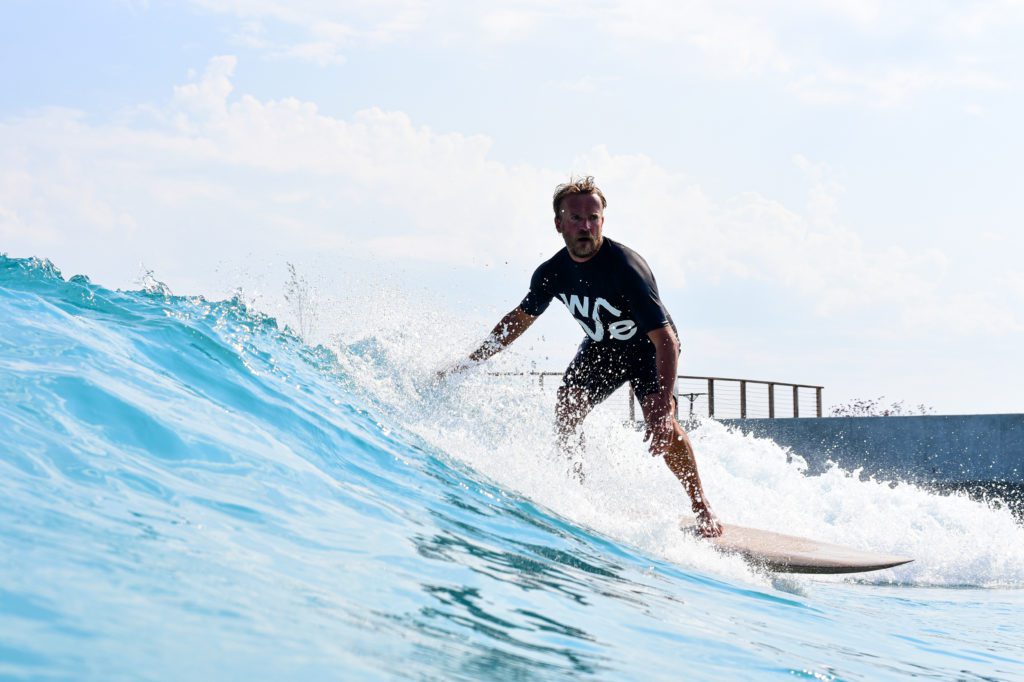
(661, 427)
(457, 368)
(505, 332)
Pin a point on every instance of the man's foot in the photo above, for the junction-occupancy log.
(708, 525)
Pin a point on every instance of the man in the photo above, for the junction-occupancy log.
(611, 292)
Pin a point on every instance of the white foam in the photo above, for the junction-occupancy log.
(502, 428)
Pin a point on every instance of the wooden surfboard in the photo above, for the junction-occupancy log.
(792, 554)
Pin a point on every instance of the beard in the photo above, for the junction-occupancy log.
(583, 248)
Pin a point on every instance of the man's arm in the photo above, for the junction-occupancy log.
(666, 349)
(510, 328)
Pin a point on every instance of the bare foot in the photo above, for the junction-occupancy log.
(708, 525)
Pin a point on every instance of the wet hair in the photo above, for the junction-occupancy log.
(577, 185)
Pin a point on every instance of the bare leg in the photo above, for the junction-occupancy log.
(571, 409)
(670, 442)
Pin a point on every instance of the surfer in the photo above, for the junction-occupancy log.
(610, 290)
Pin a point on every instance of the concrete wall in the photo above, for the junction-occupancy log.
(927, 449)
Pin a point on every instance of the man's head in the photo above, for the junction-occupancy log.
(579, 216)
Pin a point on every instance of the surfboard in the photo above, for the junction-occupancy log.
(793, 554)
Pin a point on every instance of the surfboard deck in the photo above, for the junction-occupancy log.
(792, 554)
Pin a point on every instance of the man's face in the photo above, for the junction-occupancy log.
(579, 221)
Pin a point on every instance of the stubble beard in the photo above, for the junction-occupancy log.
(585, 248)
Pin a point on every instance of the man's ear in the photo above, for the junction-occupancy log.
(558, 223)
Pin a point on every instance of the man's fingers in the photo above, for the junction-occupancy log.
(659, 442)
(452, 370)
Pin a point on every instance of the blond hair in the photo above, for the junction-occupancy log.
(577, 185)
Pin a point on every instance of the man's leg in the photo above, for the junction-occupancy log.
(591, 377)
(571, 409)
(677, 451)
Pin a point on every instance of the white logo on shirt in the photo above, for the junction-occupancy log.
(621, 330)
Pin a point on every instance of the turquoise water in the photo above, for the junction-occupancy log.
(189, 492)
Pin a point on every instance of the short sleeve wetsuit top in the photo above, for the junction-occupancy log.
(614, 298)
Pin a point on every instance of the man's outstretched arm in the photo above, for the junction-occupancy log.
(666, 349)
(510, 328)
(668, 438)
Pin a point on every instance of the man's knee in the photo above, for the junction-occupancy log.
(571, 407)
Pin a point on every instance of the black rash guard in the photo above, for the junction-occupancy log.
(612, 295)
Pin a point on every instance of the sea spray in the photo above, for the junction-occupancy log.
(497, 419)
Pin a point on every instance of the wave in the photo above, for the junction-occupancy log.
(189, 485)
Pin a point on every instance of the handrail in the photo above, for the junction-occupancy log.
(749, 381)
(710, 392)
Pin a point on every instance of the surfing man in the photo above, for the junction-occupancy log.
(609, 289)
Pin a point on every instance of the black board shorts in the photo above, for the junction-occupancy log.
(599, 369)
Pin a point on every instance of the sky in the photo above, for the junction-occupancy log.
(827, 191)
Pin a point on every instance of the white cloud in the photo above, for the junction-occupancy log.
(12, 227)
(207, 97)
(32, 194)
(970, 313)
(887, 87)
(755, 238)
(212, 169)
(732, 39)
(1014, 283)
(322, 53)
(339, 22)
(826, 52)
(976, 20)
(586, 84)
(507, 25)
(864, 12)
(823, 203)
(324, 49)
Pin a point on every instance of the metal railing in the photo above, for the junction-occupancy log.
(750, 397)
(726, 397)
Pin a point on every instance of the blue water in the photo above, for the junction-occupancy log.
(190, 492)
